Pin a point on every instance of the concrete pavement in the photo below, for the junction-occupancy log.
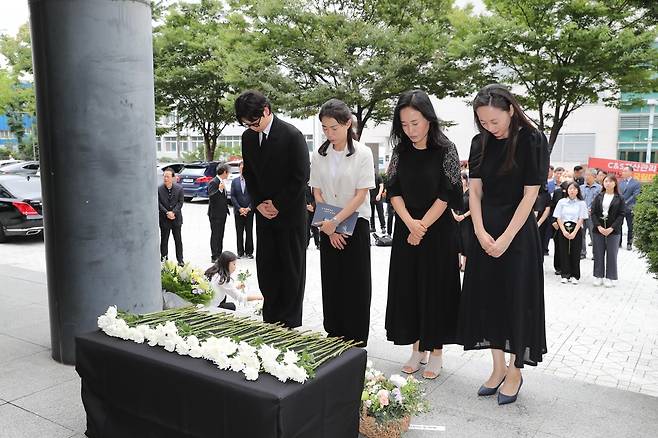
(599, 378)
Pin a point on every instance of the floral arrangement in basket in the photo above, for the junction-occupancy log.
(237, 344)
(387, 404)
(188, 283)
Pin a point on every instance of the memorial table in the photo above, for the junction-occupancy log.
(134, 390)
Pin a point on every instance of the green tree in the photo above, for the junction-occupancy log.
(363, 52)
(566, 53)
(17, 97)
(193, 58)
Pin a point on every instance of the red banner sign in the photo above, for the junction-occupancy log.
(644, 172)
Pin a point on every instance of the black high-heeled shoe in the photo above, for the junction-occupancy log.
(486, 391)
(507, 399)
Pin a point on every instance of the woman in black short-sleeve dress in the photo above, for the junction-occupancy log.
(502, 302)
(423, 283)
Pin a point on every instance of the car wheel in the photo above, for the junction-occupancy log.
(3, 237)
(188, 199)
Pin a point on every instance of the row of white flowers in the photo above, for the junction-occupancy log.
(223, 352)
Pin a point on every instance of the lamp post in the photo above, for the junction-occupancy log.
(652, 109)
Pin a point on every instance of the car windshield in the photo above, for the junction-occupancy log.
(23, 188)
(192, 171)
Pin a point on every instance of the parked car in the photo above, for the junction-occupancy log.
(21, 168)
(195, 177)
(162, 166)
(7, 162)
(20, 206)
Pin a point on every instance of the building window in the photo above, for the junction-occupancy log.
(170, 144)
(309, 142)
(158, 144)
(575, 148)
(229, 141)
(196, 143)
(6, 134)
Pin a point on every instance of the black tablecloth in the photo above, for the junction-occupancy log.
(133, 390)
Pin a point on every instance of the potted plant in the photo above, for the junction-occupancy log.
(387, 404)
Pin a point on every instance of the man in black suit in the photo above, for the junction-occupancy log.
(217, 210)
(310, 208)
(170, 204)
(276, 170)
(243, 212)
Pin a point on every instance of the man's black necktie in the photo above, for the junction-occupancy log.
(263, 139)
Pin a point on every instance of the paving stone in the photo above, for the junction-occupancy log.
(19, 423)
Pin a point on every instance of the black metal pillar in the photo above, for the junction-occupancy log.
(93, 65)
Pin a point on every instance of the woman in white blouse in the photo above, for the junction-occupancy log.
(341, 176)
(570, 213)
(219, 275)
(608, 209)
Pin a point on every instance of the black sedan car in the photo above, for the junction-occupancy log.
(20, 206)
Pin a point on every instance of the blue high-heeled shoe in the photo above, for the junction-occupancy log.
(486, 391)
(507, 399)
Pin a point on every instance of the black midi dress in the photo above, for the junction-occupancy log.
(502, 300)
(423, 283)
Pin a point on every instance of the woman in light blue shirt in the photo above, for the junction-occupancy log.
(570, 213)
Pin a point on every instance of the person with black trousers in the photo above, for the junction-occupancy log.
(608, 212)
(217, 210)
(243, 212)
(170, 204)
(276, 170)
(377, 203)
(342, 175)
(570, 213)
(559, 193)
(310, 209)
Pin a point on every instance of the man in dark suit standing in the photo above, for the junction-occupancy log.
(170, 204)
(217, 210)
(629, 189)
(243, 212)
(276, 170)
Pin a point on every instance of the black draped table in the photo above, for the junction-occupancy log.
(133, 390)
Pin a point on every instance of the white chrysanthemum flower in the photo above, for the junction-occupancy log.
(250, 373)
(236, 364)
(182, 348)
(246, 349)
(297, 373)
(136, 335)
(268, 353)
(112, 312)
(290, 357)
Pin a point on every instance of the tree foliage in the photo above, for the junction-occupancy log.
(566, 53)
(363, 52)
(194, 55)
(17, 97)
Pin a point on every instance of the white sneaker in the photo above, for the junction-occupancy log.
(598, 281)
(564, 280)
(574, 280)
(608, 283)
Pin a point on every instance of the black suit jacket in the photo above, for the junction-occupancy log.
(277, 170)
(217, 200)
(240, 199)
(615, 213)
(175, 205)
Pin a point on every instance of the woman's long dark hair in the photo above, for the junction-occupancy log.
(337, 109)
(499, 96)
(612, 177)
(420, 101)
(221, 267)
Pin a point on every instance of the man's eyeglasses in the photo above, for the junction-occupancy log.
(252, 124)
